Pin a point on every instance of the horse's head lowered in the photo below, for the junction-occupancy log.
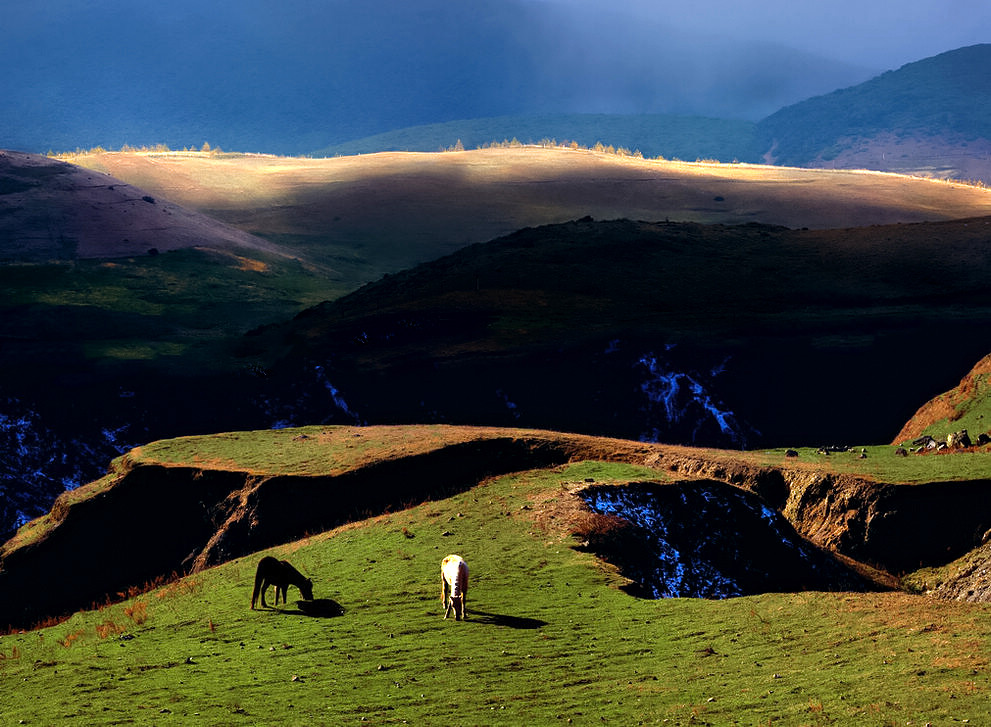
(306, 588)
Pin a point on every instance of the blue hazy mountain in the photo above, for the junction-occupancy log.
(944, 100)
(297, 76)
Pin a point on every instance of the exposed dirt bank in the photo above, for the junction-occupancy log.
(154, 520)
(149, 521)
(893, 527)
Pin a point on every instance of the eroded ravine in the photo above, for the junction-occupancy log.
(156, 520)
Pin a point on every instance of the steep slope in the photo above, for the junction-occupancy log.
(966, 406)
(53, 211)
(928, 117)
(670, 332)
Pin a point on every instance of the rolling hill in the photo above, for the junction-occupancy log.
(374, 214)
(149, 346)
(929, 118)
(673, 332)
(54, 211)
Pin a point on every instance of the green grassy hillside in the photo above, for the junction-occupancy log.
(140, 344)
(948, 96)
(176, 307)
(966, 406)
(97, 355)
(569, 321)
(550, 638)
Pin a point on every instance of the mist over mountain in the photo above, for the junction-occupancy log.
(928, 118)
(298, 76)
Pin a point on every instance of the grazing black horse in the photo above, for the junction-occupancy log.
(281, 574)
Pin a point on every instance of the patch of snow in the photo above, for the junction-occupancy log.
(681, 398)
(336, 395)
(709, 540)
(510, 405)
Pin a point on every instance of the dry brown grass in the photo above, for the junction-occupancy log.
(98, 216)
(457, 198)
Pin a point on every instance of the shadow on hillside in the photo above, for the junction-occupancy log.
(317, 608)
(496, 619)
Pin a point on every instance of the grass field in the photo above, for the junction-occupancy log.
(881, 463)
(550, 637)
(394, 210)
(178, 306)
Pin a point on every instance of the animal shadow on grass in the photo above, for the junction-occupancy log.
(317, 608)
(513, 622)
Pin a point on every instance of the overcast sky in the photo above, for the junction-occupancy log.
(296, 75)
(878, 34)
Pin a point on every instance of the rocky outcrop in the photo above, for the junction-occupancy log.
(965, 579)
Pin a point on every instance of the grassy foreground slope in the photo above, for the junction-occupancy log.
(550, 638)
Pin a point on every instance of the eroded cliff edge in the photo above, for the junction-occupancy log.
(148, 521)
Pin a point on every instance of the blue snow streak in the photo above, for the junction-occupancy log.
(663, 388)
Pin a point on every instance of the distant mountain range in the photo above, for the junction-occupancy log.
(931, 117)
(344, 78)
(295, 76)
